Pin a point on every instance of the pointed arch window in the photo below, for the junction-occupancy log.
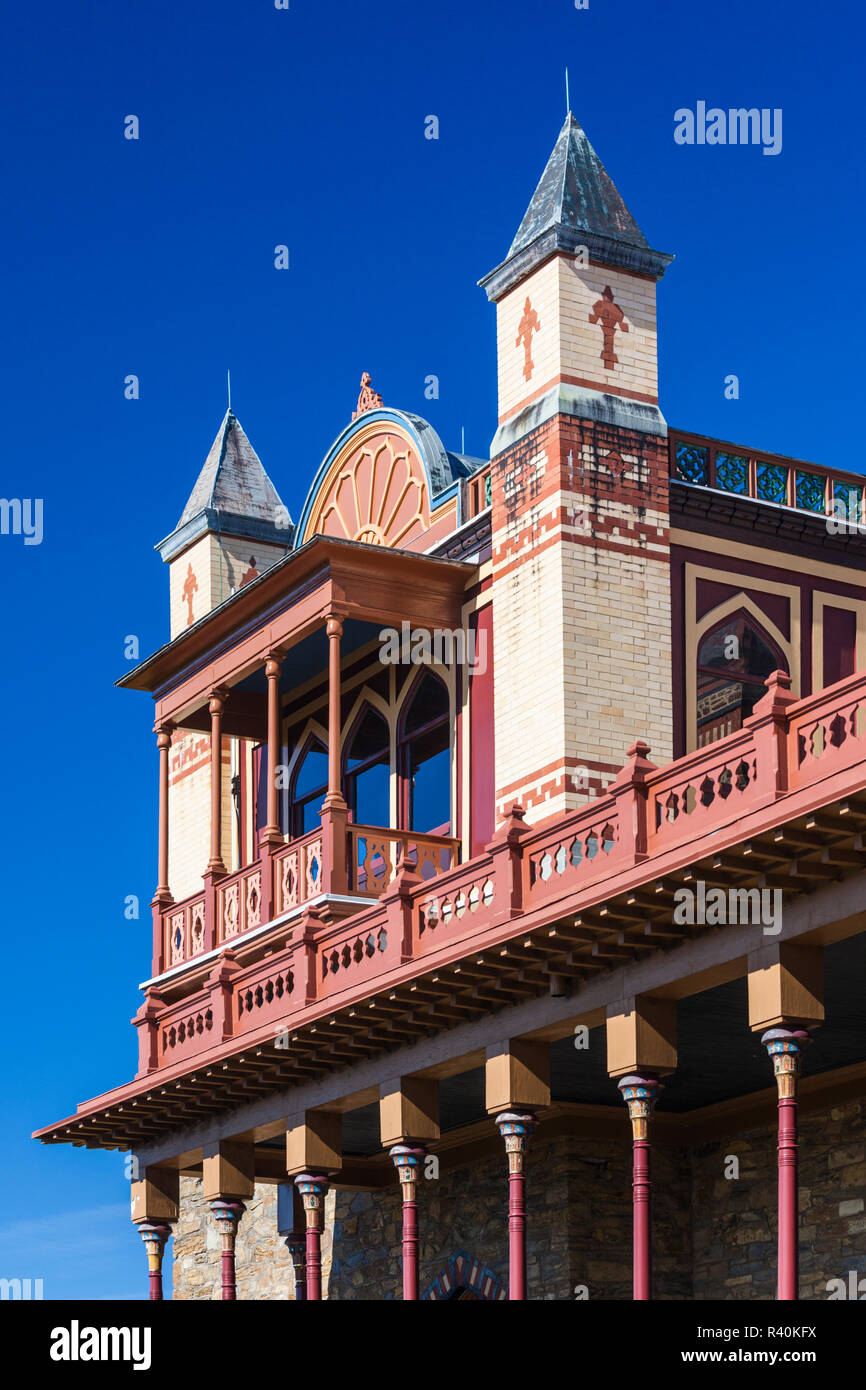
(308, 787)
(367, 770)
(734, 660)
(424, 758)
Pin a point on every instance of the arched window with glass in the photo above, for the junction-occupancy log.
(734, 660)
(424, 758)
(308, 787)
(367, 769)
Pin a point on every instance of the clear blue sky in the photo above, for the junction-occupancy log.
(306, 127)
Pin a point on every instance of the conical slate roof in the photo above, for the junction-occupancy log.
(576, 191)
(233, 480)
(576, 204)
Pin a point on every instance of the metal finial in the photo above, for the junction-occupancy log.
(229, 385)
(567, 102)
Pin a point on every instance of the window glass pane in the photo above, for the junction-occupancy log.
(370, 738)
(370, 794)
(429, 780)
(429, 702)
(308, 815)
(313, 772)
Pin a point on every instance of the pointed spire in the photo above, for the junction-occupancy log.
(576, 191)
(233, 479)
(233, 496)
(576, 204)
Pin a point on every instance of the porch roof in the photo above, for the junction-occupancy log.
(288, 602)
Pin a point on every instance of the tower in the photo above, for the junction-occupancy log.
(233, 527)
(580, 518)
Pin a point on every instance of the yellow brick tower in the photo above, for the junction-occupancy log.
(581, 581)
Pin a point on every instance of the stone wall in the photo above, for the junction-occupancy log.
(713, 1236)
(734, 1221)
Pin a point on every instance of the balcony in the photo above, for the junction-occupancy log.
(422, 940)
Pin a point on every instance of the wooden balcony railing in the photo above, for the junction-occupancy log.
(790, 758)
(376, 854)
(808, 487)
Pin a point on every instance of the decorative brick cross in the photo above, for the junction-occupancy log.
(529, 324)
(251, 574)
(190, 587)
(611, 318)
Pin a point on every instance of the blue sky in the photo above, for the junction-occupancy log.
(305, 127)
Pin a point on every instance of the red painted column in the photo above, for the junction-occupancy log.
(640, 1094)
(227, 1216)
(313, 1187)
(163, 743)
(407, 1161)
(216, 706)
(154, 1237)
(516, 1129)
(295, 1243)
(272, 671)
(785, 1046)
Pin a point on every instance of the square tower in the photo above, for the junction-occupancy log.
(580, 514)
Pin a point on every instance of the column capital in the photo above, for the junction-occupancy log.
(516, 1128)
(226, 1216)
(407, 1159)
(785, 1046)
(334, 624)
(164, 730)
(313, 1188)
(273, 664)
(217, 699)
(640, 1094)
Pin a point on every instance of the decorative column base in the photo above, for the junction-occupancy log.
(227, 1216)
(640, 1094)
(516, 1129)
(155, 1237)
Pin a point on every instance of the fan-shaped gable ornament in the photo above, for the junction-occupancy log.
(375, 491)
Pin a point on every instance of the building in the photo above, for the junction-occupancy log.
(511, 819)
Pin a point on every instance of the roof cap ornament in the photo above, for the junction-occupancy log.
(368, 399)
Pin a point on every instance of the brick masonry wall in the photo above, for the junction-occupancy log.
(712, 1237)
(581, 604)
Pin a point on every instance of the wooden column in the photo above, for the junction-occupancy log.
(163, 743)
(313, 1150)
(154, 1207)
(517, 1076)
(313, 1188)
(154, 1238)
(334, 812)
(641, 1047)
(273, 666)
(227, 1217)
(228, 1176)
(291, 1225)
(640, 1094)
(785, 1047)
(786, 998)
(216, 705)
(409, 1119)
(516, 1129)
